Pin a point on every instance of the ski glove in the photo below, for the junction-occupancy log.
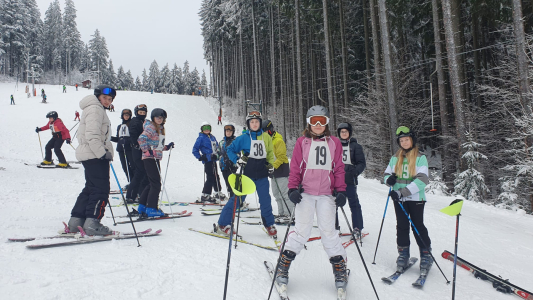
(242, 161)
(395, 195)
(171, 145)
(214, 157)
(391, 180)
(107, 156)
(37, 129)
(340, 199)
(295, 196)
(203, 158)
(270, 168)
(68, 141)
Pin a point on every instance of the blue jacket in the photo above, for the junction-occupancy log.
(203, 146)
(225, 163)
(255, 168)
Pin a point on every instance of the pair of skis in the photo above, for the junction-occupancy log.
(419, 283)
(166, 217)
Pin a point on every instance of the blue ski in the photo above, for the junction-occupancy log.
(391, 279)
(419, 283)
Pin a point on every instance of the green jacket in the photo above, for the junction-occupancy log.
(412, 188)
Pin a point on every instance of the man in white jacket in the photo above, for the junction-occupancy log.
(95, 151)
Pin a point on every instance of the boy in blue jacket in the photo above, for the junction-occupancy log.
(205, 150)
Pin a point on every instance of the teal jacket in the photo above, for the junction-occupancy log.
(411, 187)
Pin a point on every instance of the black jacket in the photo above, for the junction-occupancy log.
(358, 161)
(136, 129)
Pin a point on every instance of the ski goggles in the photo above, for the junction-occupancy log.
(141, 106)
(402, 130)
(318, 121)
(206, 127)
(254, 114)
(228, 128)
(109, 91)
(126, 112)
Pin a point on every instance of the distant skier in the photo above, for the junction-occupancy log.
(317, 167)
(60, 133)
(77, 114)
(95, 153)
(42, 92)
(354, 164)
(64, 89)
(124, 144)
(205, 149)
(407, 174)
(139, 181)
(112, 108)
(76, 87)
(44, 98)
(12, 100)
(152, 144)
(219, 120)
(226, 166)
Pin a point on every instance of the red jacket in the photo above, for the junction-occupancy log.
(57, 126)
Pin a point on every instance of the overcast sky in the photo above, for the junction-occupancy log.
(137, 32)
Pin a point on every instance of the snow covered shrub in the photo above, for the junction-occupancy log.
(436, 186)
(471, 183)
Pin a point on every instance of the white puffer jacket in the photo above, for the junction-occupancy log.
(94, 133)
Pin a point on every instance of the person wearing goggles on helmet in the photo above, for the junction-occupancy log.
(124, 145)
(257, 159)
(95, 152)
(60, 134)
(139, 181)
(226, 166)
(407, 175)
(316, 186)
(205, 150)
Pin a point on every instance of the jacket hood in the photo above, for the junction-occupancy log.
(89, 100)
(277, 135)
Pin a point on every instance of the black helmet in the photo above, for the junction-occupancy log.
(404, 131)
(105, 90)
(346, 126)
(52, 114)
(142, 107)
(158, 112)
(125, 111)
(268, 127)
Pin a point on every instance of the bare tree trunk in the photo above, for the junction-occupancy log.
(367, 42)
(375, 44)
(328, 62)
(272, 61)
(453, 66)
(299, 66)
(387, 58)
(344, 55)
(256, 61)
(281, 76)
(522, 61)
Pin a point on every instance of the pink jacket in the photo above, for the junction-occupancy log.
(317, 182)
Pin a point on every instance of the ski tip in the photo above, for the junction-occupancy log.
(159, 231)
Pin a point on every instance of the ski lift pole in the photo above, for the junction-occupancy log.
(431, 98)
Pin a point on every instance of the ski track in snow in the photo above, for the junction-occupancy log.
(180, 264)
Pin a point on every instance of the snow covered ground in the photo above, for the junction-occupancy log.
(181, 264)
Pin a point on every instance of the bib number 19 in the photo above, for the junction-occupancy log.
(321, 155)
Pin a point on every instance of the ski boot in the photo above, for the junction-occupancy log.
(223, 230)
(272, 231)
(205, 198)
(426, 261)
(129, 201)
(282, 277)
(134, 213)
(403, 258)
(94, 227)
(357, 234)
(219, 196)
(46, 163)
(154, 212)
(73, 224)
(340, 272)
(141, 209)
(63, 165)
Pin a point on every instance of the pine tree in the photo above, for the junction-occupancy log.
(153, 77)
(471, 183)
(194, 82)
(99, 54)
(121, 79)
(53, 35)
(177, 80)
(130, 85)
(109, 76)
(203, 83)
(165, 80)
(71, 37)
(138, 84)
(186, 82)
(145, 83)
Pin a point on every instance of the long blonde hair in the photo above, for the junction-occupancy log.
(411, 160)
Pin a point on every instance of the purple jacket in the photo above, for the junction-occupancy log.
(317, 182)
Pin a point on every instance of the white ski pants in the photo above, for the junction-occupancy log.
(325, 209)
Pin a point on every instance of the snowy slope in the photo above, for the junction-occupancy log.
(181, 264)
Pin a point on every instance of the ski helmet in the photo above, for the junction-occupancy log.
(205, 126)
(52, 114)
(254, 115)
(317, 110)
(268, 127)
(125, 111)
(346, 126)
(139, 107)
(105, 90)
(231, 127)
(404, 131)
(158, 112)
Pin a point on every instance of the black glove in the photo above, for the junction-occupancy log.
(37, 129)
(391, 180)
(107, 156)
(68, 141)
(295, 196)
(270, 168)
(340, 199)
(171, 145)
(214, 157)
(203, 158)
(395, 195)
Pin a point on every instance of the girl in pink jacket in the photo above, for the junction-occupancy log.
(316, 185)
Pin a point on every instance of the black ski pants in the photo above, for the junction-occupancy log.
(127, 164)
(226, 173)
(140, 181)
(150, 194)
(93, 198)
(212, 180)
(54, 143)
(415, 209)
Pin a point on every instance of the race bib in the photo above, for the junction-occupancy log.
(319, 156)
(53, 128)
(124, 131)
(161, 144)
(214, 146)
(257, 149)
(346, 159)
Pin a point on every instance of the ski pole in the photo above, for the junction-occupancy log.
(359, 250)
(40, 145)
(127, 167)
(75, 133)
(381, 227)
(455, 256)
(74, 126)
(238, 218)
(158, 204)
(164, 186)
(283, 198)
(125, 205)
(420, 237)
(72, 147)
(281, 252)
